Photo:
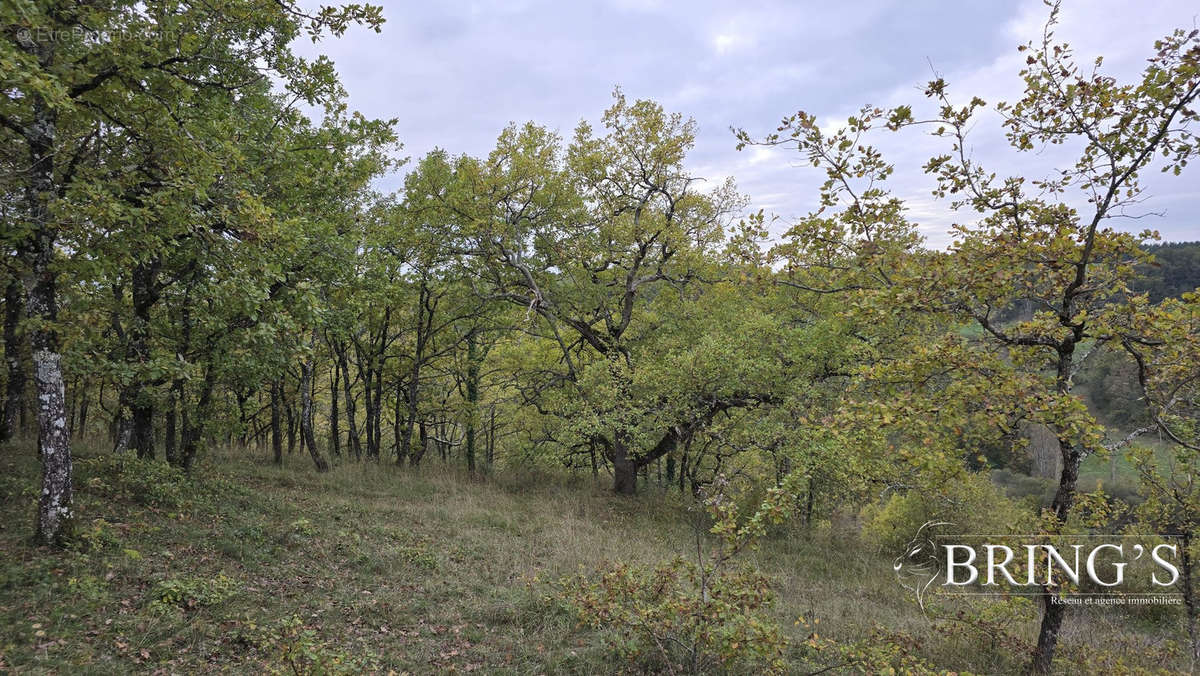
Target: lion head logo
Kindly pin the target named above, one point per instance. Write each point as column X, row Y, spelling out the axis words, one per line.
column 919, row 565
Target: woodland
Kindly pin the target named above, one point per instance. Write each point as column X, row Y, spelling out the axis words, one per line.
column 567, row 407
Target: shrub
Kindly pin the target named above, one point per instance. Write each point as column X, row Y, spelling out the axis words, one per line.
column 689, row 618
column 291, row 647
column 883, row 652
column 1039, row 492
column 146, row 482
column 692, row 617
column 97, row 536
column 193, row 592
column 972, row 504
column 992, row 632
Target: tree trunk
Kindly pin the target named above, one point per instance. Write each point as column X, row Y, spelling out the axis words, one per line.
column 422, row 445
column 276, row 424
column 143, row 431
column 169, row 434
column 306, row 415
column 377, row 424
column 683, row 467
column 1189, row 596
column 72, row 398
column 289, row 412
column 335, row 432
column 365, row 375
column 1052, row 617
column 397, row 424
column 193, row 426
column 175, row 452
column 241, row 397
column 624, row 477
column 124, row 422
column 1053, row 613
column 352, row 425
column 54, row 506
column 626, row 466
column 406, row 452
column 624, row 469
column 491, row 441
column 83, row 414
column 425, row 310
column 15, row 387
column 440, row 441
column 1064, row 499
column 145, row 294
column 135, row 425
column 472, row 398
column 37, row 251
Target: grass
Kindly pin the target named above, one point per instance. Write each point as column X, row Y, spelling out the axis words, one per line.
column 248, row 567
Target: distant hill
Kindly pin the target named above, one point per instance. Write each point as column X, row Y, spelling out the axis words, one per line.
column 1175, row 271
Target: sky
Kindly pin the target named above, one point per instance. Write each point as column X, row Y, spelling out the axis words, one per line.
column 454, row 74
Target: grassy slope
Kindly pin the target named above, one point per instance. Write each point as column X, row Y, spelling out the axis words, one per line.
column 378, row 569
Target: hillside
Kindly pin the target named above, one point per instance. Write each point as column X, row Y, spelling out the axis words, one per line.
column 252, row 568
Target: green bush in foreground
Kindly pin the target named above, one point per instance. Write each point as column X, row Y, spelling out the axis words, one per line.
column 691, row 617
column 193, row 592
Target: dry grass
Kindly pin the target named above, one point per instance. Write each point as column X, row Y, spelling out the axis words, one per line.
column 374, row 568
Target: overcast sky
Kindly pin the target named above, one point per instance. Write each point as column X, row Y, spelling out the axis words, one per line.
column 455, row 73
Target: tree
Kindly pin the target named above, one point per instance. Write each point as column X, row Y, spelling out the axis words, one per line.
column 1164, row 342
column 14, row 388
column 449, row 317
column 590, row 240
column 1024, row 248
column 79, row 68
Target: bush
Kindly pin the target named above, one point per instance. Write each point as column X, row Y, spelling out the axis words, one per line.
column 292, row 647
column 1037, row 491
column 97, row 536
column 695, row 617
column 193, row 592
column 882, row 652
column 682, row 616
column 125, row 477
column 970, row 505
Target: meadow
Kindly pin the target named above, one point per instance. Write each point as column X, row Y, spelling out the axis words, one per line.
column 253, row 568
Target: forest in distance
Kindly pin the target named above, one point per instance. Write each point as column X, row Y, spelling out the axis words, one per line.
column 567, row 406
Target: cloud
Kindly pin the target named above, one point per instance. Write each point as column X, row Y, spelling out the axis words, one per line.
column 724, row 42
column 455, row 73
